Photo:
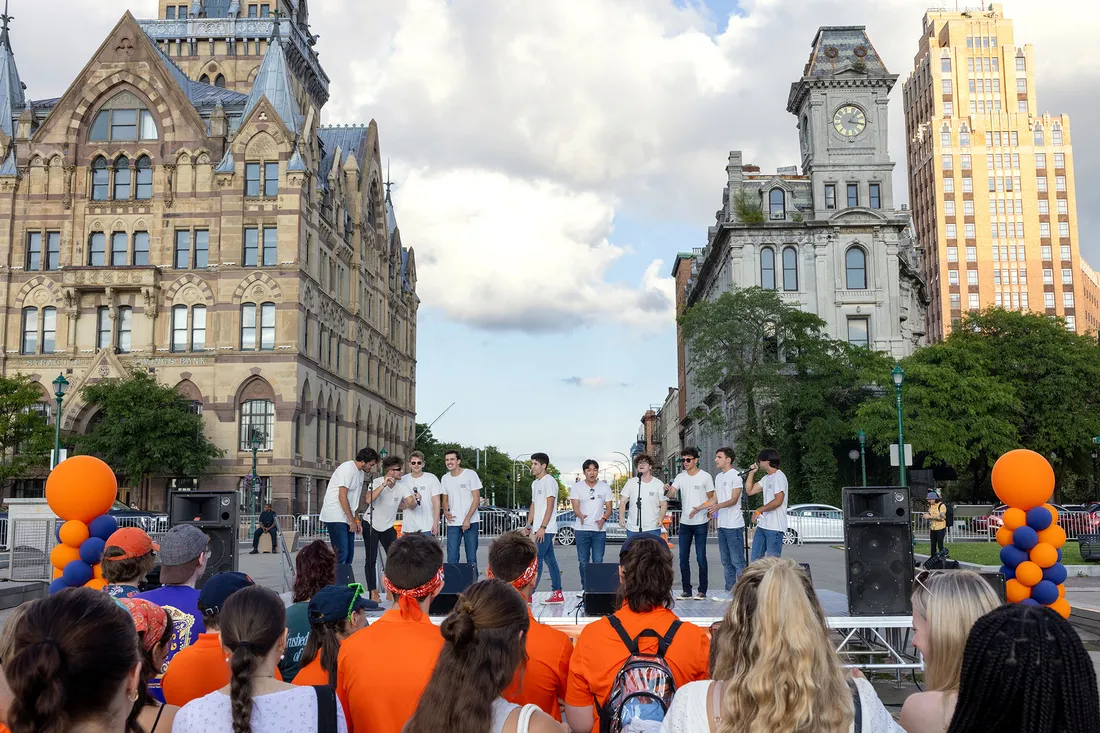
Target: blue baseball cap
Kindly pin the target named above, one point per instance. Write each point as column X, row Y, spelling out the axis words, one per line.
column 337, row 602
column 218, row 589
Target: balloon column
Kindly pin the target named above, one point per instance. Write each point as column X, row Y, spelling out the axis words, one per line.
column 80, row 490
column 1030, row 539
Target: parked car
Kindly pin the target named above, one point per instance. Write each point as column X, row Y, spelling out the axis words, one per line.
column 149, row 521
column 814, row 523
column 567, row 535
column 497, row 520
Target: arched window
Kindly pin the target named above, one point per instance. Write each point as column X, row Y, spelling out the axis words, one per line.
column 122, row 179
column 1056, row 133
column 855, row 267
column 123, row 119
column 259, row 416
column 144, row 189
column 101, row 180
column 1039, row 137
column 777, row 204
column 204, row 79
column 790, row 269
column 767, row 268
column 219, row 81
column 317, row 420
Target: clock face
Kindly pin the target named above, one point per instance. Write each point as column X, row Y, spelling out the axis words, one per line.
column 849, row 120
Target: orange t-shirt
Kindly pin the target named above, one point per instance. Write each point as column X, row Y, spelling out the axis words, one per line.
column 197, row 670
column 383, row 669
column 542, row 681
column 312, row 673
column 600, row 653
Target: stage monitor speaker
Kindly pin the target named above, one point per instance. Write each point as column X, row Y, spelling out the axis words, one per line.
column 457, row 577
column 872, row 504
column 997, row 583
column 216, row 513
column 601, row 580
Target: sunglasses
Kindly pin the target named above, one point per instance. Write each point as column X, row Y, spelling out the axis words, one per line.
column 923, row 577
column 357, row 590
column 591, row 493
column 416, row 463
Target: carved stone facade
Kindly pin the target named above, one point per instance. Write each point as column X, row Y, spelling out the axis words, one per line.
column 218, row 237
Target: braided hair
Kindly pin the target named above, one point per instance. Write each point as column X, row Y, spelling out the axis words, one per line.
column 252, row 622
column 1025, row 669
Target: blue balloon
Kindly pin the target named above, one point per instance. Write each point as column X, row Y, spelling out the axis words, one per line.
column 103, row 526
column 1059, row 554
column 1011, row 556
column 57, row 585
column 1008, row 572
column 1045, row 592
column 77, row 573
column 1039, row 518
column 1030, row 602
column 1056, row 573
column 91, row 550
column 1025, row 537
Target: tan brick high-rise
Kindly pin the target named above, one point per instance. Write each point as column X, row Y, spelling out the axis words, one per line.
column 180, row 209
column 990, row 174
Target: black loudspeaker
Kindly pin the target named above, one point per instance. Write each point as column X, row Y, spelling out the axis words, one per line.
column 997, row 583
column 216, row 513
column 878, row 551
column 457, row 577
column 601, row 581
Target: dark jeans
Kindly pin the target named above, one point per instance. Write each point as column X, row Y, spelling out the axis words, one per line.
column 342, row 538
column 372, row 537
column 458, row 538
column 696, row 533
column 590, row 548
column 550, row 560
column 731, row 545
column 937, row 536
column 274, row 538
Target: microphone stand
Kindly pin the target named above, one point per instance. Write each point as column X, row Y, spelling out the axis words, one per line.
column 371, row 570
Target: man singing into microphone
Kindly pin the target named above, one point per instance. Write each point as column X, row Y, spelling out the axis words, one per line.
column 388, row 494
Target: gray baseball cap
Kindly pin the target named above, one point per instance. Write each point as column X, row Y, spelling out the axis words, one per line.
column 182, row 544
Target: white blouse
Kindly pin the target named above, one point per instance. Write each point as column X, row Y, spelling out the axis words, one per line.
column 688, row 713
column 288, row 711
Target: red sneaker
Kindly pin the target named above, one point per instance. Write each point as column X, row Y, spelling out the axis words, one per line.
column 555, row 597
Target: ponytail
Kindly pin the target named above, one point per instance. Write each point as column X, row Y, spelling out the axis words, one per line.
column 324, row 638
column 36, row 676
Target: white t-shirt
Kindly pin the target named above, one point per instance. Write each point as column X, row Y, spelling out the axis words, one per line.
column 541, row 490
column 386, row 505
column 459, row 490
column 693, row 492
column 653, row 493
column 419, row 518
column 288, row 711
column 724, row 485
column 593, row 501
column 776, row 519
column 346, row 474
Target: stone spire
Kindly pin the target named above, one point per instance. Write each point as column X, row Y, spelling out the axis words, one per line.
column 12, row 99
column 273, row 80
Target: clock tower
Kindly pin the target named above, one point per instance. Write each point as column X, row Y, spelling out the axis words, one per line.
column 842, row 103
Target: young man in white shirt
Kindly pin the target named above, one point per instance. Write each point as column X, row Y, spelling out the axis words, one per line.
column 696, row 489
column 424, row 517
column 542, row 523
column 341, row 502
column 591, row 500
column 731, row 522
column 643, row 504
column 387, row 496
column 771, row 519
column 461, row 498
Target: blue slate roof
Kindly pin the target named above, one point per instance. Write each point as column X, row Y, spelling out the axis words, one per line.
column 273, row 81
column 227, row 164
column 201, row 95
column 350, row 140
column 12, row 99
column 9, row 168
column 836, row 48
column 296, row 163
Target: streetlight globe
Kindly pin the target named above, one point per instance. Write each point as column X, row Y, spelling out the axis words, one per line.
column 898, row 375
column 383, row 453
column 60, row 385
column 853, row 454
column 862, row 436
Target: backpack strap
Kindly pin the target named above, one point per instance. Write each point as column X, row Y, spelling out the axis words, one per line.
column 631, row 644
column 666, row 640
column 326, row 709
column 857, row 722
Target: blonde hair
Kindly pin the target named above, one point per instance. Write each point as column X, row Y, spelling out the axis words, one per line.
column 950, row 602
column 780, row 670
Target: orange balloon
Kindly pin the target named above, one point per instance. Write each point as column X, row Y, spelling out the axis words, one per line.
column 1014, row 518
column 62, row 555
column 96, row 584
column 57, row 573
column 97, row 570
column 81, row 487
column 73, row 533
column 1053, row 535
column 1062, row 590
column 1004, row 536
column 1028, row 573
column 1061, row 606
column 1044, row 555
column 1015, row 591
column 1023, row 479
column 1053, row 513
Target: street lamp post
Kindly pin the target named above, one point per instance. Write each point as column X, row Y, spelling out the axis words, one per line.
column 863, row 455
column 1095, row 455
column 898, row 375
column 59, row 386
column 255, row 441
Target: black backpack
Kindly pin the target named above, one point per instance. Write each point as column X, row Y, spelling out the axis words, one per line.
column 950, row 515
column 644, row 686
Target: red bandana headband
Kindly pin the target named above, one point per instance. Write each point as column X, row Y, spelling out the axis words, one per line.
column 525, row 577
column 408, row 599
column 148, row 617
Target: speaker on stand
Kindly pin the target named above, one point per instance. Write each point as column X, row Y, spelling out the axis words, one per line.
column 601, row 580
column 216, row 513
column 457, row 577
column 878, row 550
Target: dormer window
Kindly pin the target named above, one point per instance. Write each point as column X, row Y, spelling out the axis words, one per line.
column 123, row 119
column 777, row 206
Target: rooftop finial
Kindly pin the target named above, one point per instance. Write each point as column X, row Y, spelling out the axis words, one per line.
column 276, row 24
column 5, row 41
column 388, row 184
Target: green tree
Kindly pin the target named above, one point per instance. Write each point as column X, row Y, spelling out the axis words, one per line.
column 25, row 437
column 148, row 429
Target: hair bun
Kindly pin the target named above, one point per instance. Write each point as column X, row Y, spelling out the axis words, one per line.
column 459, row 628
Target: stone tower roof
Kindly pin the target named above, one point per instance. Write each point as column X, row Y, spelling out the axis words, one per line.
column 838, row 48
